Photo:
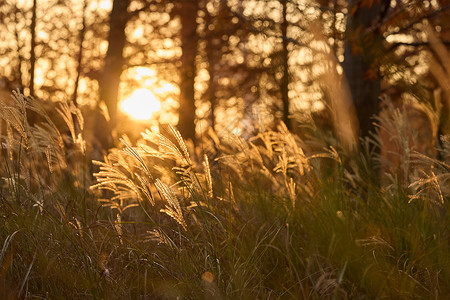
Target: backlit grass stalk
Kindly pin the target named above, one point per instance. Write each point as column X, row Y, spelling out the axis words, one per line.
column 273, row 216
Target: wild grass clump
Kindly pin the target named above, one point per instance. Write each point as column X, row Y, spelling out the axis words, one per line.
column 273, row 216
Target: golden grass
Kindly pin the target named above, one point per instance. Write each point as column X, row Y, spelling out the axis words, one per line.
column 273, row 216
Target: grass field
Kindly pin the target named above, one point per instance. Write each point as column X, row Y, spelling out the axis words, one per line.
column 272, row 217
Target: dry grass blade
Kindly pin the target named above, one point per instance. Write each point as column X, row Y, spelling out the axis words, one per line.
column 168, row 148
column 145, row 188
column 208, row 175
column 66, row 113
column 159, row 236
column 47, row 141
column 437, row 182
column 135, row 154
column 181, row 143
column 118, row 227
column 291, row 145
column 6, row 244
column 173, row 208
column 25, row 279
column 14, row 118
column 111, row 178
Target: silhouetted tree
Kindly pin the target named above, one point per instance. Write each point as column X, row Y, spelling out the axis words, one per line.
column 33, row 47
column 110, row 79
column 114, row 61
column 362, row 46
column 80, row 53
column 284, row 82
column 189, row 42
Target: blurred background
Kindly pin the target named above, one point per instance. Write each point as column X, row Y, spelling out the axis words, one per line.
column 237, row 66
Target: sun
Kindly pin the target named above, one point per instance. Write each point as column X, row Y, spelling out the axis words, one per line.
column 141, row 105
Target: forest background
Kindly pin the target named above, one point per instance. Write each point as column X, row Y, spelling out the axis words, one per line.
column 255, row 62
column 260, row 90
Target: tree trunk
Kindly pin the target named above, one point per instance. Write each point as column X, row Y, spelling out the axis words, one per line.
column 110, row 78
column 18, row 49
column 284, row 85
column 212, row 42
column 360, row 50
column 33, row 47
column 189, row 39
column 80, row 54
column 215, row 27
column 109, row 85
column 211, row 92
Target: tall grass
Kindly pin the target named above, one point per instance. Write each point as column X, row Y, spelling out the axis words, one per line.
column 274, row 216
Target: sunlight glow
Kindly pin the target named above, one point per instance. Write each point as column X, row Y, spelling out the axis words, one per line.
column 106, row 4
column 141, row 105
column 166, row 88
column 142, row 72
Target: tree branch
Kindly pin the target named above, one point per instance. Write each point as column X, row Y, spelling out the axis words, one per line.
column 129, row 65
column 414, row 44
